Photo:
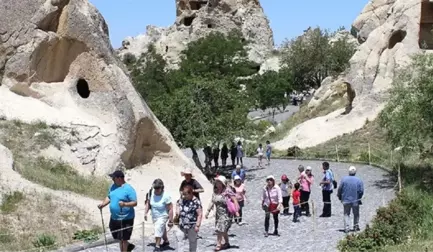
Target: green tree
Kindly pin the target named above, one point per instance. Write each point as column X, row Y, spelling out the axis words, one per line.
column 339, row 54
column 269, row 90
column 408, row 116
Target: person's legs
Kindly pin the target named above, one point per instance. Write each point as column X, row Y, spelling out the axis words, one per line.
column 355, row 209
column 233, row 161
column 192, row 238
column 296, row 213
column 267, row 216
column 275, row 215
column 125, row 235
column 241, row 206
column 226, row 240
column 237, row 160
column 219, row 239
column 306, row 204
column 303, row 200
column 160, row 232
column 326, row 196
column 347, row 209
column 181, row 236
column 224, row 161
column 241, row 161
column 286, row 205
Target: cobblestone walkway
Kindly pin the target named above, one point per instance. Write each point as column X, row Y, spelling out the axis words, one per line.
column 311, row 233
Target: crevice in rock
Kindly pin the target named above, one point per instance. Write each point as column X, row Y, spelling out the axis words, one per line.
column 395, row 38
column 145, row 142
column 51, row 59
column 51, row 21
column 187, row 21
column 351, row 94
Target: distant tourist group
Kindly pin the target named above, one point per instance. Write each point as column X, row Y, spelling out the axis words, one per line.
column 228, row 201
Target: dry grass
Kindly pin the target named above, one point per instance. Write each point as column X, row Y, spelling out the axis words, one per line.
column 37, row 221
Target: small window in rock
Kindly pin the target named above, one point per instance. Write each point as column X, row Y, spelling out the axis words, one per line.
column 426, row 25
column 187, row 21
column 396, row 37
column 210, row 26
column 166, row 48
column 83, row 88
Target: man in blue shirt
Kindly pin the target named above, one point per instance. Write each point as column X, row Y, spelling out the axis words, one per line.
column 350, row 193
column 240, row 172
column 327, row 188
column 122, row 199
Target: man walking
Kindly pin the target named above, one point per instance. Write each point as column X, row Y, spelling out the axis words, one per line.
column 350, row 193
column 122, row 199
column 327, row 188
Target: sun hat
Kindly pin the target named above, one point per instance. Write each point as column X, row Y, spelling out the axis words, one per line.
column 187, row 170
column 309, row 168
column 237, row 177
column 352, row 170
column 221, row 178
column 270, row 177
column 238, row 166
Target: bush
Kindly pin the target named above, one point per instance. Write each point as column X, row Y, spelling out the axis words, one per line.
column 263, row 125
column 45, row 242
column 87, row 235
column 294, row 151
column 344, row 152
column 10, row 202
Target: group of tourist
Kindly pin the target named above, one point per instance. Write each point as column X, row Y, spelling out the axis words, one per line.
column 236, row 154
column 228, row 201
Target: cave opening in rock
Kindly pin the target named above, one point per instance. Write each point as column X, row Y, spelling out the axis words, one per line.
column 351, row 94
column 210, row 26
column 395, row 38
column 426, row 25
column 187, row 21
column 83, row 88
column 197, row 4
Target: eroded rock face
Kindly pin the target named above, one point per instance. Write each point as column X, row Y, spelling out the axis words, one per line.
column 393, row 33
column 57, row 66
column 196, row 19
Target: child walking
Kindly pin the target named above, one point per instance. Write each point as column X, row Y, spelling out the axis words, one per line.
column 260, row 155
column 296, row 196
column 286, row 187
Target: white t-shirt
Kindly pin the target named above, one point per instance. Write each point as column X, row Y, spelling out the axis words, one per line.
column 260, row 151
column 284, row 189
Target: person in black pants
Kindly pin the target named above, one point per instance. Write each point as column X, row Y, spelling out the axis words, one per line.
column 233, row 152
column 224, row 155
column 326, row 190
column 272, row 203
column 306, row 180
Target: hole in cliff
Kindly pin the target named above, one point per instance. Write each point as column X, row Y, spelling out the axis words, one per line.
column 197, row 5
column 83, row 88
column 182, row 5
column 396, row 37
column 210, row 26
column 145, row 142
column 52, row 59
column 51, row 21
column 166, row 48
column 426, row 26
column 187, row 21
column 350, row 97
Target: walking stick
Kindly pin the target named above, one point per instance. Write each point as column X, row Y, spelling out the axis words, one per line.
column 103, row 229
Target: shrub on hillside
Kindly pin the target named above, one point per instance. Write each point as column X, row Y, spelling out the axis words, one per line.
column 294, row 151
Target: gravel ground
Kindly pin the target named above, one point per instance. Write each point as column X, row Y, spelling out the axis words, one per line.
column 311, row 233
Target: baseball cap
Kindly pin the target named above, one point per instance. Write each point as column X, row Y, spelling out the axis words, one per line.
column 187, row 170
column 117, row 174
column 237, row 177
column 352, row 170
column 309, row 168
column 238, row 166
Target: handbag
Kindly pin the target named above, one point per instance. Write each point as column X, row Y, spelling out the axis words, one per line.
column 231, row 206
column 272, row 206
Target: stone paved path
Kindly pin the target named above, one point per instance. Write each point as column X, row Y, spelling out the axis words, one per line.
column 311, row 233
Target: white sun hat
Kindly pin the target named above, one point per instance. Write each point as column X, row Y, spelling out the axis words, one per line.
column 222, row 179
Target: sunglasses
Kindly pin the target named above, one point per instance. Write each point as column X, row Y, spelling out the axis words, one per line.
column 157, row 188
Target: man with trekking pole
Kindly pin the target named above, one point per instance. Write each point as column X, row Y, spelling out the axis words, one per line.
column 122, row 199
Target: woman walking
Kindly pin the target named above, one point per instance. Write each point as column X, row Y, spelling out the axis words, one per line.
column 224, row 155
column 240, row 192
column 189, row 211
column 271, row 201
column 239, row 153
column 221, row 197
column 233, row 153
column 306, row 179
column 162, row 211
column 260, row 154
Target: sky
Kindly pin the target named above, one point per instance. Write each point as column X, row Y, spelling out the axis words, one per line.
column 288, row 18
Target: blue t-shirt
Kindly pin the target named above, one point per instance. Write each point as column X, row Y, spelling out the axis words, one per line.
column 123, row 193
column 240, row 174
column 159, row 204
column 328, row 176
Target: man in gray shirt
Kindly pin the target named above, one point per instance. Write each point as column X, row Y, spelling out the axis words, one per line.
column 350, row 193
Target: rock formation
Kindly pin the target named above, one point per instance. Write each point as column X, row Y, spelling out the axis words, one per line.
column 57, row 66
column 390, row 32
column 197, row 18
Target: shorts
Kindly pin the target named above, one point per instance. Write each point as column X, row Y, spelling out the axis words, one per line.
column 121, row 229
column 159, row 225
column 268, row 155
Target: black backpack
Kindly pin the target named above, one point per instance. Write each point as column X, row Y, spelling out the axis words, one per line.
column 334, row 183
column 148, row 196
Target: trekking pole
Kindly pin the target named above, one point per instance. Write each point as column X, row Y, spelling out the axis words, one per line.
column 103, row 229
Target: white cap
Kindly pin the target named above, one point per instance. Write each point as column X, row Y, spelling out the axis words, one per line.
column 309, row 168
column 352, row 170
column 238, row 166
column 270, row 177
column 237, row 177
column 221, row 178
column 187, row 170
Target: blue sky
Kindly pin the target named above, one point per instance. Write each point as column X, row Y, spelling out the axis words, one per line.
column 288, row 17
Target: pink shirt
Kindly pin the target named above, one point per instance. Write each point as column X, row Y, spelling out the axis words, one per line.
column 306, row 183
column 275, row 194
column 240, row 192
